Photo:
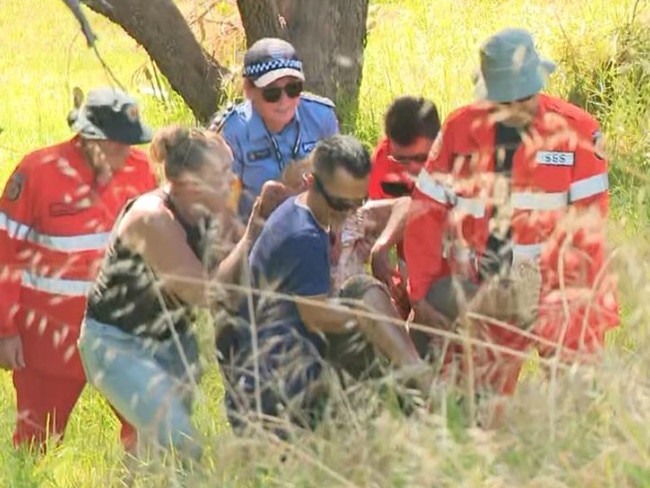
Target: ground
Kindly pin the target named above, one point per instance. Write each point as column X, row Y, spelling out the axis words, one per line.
column 587, row 428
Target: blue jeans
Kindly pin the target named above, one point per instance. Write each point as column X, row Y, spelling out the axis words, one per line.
column 146, row 380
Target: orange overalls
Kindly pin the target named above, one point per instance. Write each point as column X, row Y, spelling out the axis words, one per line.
column 54, row 224
column 557, row 193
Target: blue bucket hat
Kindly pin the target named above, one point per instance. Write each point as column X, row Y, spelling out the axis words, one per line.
column 511, row 68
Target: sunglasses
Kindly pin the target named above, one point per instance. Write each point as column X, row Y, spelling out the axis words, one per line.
column 415, row 158
column 273, row 94
column 337, row 204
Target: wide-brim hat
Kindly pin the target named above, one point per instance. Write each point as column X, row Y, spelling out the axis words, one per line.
column 511, row 68
column 110, row 114
column 270, row 59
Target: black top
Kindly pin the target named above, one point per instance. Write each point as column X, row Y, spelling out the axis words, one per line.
column 127, row 294
column 497, row 258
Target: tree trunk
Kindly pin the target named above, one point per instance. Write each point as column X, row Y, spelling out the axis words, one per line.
column 330, row 36
column 160, row 28
column 260, row 18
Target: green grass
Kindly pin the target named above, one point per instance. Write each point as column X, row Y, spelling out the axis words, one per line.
column 588, row 429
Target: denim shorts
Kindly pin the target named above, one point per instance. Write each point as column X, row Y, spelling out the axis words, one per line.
column 149, row 382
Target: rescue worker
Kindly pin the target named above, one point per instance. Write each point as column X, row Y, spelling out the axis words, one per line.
column 56, row 213
column 410, row 126
column 278, row 123
column 512, row 202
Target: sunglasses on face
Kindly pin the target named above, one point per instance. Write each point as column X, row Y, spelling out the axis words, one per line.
column 337, row 204
column 415, row 158
column 272, row 94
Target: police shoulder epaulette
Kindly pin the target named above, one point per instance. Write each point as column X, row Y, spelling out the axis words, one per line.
column 219, row 119
column 318, row 99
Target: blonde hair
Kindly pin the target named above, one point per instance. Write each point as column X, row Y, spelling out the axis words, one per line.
column 180, row 149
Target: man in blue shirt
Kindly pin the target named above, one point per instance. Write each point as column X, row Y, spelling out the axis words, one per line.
column 278, row 123
column 274, row 364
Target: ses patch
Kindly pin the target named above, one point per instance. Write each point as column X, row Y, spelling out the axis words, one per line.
column 14, row 187
column 555, row 158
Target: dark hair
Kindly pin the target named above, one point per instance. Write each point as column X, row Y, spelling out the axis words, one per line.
column 181, row 149
column 340, row 151
column 408, row 118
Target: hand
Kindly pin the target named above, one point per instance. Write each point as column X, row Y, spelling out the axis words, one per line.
column 382, row 269
column 272, row 195
column 11, row 353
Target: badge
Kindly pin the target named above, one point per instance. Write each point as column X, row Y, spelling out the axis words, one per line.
column 599, row 145
column 258, row 154
column 555, row 158
column 132, row 113
column 307, row 147
column 14, row 187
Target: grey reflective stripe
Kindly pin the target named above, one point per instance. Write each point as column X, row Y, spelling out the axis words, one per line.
column 14, row 229
column 431, row 188
column 539, row 201
column 529, row 251
column 56, row 286
column 472, row 206
column 589, row 187
column 84, row 242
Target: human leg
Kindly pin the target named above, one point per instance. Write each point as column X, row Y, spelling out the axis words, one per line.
column 125, row 369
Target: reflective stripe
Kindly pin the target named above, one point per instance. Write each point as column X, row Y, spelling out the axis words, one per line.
column 464, row 254
column 84, row 242
column 56, row 286
column 473, row 206
column 539, row 201
column 528, row 251
column 589, row 187
column 431, row 188
column 15, row 229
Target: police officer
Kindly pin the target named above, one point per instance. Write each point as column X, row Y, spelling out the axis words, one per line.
column 277, row 123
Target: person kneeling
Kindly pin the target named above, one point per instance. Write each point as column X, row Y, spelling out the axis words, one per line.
column 275, row 356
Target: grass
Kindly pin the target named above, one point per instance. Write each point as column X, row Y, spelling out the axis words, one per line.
column 589, row 429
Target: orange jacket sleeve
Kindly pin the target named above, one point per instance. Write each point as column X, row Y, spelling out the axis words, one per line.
column 16, row 218
column 427, row 220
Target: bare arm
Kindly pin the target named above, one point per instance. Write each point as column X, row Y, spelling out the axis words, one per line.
column 150, row 229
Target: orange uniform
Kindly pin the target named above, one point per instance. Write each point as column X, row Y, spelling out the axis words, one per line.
column 54, row 223
column 557, row 199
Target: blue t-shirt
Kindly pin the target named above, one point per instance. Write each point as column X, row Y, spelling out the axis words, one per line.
column 291, row 256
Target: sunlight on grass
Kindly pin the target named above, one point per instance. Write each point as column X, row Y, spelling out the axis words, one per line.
column 589, row 429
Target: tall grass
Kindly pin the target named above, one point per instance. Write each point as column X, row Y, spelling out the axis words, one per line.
column 590, row 429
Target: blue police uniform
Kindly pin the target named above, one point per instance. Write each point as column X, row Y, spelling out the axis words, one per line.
column 259, row 155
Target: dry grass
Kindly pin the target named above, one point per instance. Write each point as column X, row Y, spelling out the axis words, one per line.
column 589, row 428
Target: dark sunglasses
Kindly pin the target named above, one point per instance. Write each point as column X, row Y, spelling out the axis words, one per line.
column 273, row 94
column 337, row 204
column 416, row 158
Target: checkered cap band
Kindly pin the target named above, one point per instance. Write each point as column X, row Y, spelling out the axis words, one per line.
column 256, row 70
